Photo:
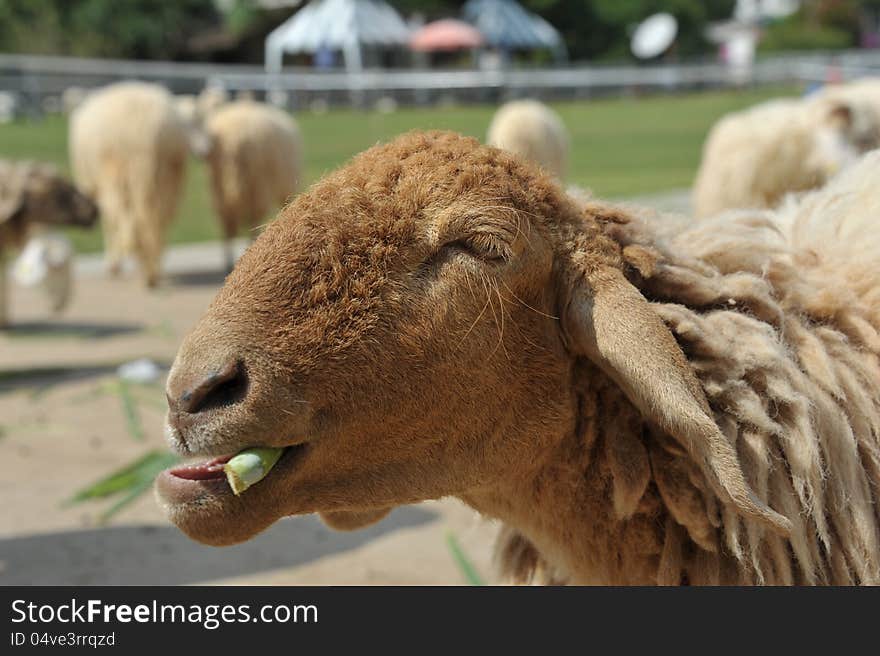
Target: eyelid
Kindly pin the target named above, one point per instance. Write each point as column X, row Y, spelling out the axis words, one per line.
column 489, row 250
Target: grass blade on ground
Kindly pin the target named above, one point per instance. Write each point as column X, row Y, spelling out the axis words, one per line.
column 133, row 493
column 129, row 409
column 464, row 564
column 131, row 477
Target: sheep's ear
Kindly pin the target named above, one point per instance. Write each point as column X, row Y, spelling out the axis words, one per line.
column 606, row 319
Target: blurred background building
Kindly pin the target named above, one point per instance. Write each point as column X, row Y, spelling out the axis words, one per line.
column 299, row 52
column 234, row 30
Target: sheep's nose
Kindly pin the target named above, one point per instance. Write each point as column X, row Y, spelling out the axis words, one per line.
column 196, row 393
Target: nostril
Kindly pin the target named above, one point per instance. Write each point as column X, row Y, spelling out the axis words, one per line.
column 224, row 387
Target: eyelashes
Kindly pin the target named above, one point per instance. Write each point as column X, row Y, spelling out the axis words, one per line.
column 481, row 247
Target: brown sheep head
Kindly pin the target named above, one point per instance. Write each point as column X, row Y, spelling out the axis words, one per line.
column 36, row 194
column 410, row 327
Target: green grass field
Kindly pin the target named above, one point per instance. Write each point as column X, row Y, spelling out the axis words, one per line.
column 621, row 147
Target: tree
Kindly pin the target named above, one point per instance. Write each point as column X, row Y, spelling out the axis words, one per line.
column 602, row 28
column 30, row 26
column 819, row 24
column 142, row 29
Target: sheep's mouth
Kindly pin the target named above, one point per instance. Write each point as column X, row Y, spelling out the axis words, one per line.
column 201, row 471
column 199, row 480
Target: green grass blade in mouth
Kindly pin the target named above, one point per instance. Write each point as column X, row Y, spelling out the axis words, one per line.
column 250, row 466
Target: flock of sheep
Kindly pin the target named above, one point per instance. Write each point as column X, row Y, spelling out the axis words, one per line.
column 668, row 400
column 751, row 158
column 129, row 146
column 130, row 142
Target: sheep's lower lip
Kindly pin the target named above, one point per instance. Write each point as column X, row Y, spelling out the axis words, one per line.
column 201, row 471
column 191, row 482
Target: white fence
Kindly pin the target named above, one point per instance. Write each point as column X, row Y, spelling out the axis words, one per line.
column 36, row 80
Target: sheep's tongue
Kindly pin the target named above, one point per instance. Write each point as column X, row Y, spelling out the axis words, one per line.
column 202, row 471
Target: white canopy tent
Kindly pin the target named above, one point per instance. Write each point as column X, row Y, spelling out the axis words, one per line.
column 338, row 25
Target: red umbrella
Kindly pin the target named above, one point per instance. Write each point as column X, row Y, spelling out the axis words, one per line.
column 447, row 34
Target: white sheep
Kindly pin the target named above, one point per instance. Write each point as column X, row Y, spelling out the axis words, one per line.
column 255, row 160
column 753, row 158
column 128, row 150
column 532, row 130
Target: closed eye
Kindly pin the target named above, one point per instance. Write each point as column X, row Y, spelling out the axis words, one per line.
column 481, row 247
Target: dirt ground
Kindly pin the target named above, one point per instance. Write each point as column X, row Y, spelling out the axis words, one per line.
column 63, row 426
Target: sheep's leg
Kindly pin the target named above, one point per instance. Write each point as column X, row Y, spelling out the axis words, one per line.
column 58, row 286
column 113, row 254
column 114, row 265
column 150, row 272
column 149, row 253
column 3, row 295
column 116, row 224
